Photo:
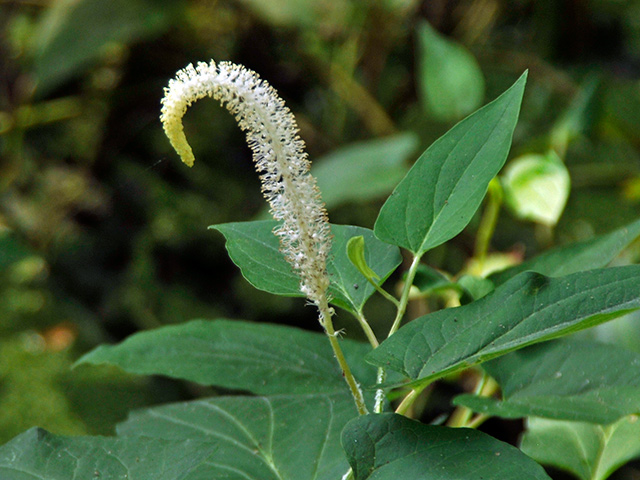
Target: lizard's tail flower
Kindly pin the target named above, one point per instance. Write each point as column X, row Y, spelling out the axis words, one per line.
column 278, row 151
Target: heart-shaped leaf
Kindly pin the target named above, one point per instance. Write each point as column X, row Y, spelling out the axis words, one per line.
column 445, row 187
column 527, row 309
column 257, row 438
column 565, row 380
column 255, row 249
column 261, row 358
column 591, row 452
column 390, row 447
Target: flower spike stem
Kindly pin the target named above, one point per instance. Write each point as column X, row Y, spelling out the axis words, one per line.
column 326, row 313
column 278, row 152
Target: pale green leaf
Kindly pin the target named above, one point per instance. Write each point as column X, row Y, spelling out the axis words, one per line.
column 450, row 82
column 591, row 452
column 363, row 171
column 536, row 187
column 355, row 252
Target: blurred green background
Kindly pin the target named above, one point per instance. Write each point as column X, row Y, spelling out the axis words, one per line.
column 103, row 230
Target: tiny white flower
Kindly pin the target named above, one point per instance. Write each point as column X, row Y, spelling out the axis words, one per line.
column 278, row 151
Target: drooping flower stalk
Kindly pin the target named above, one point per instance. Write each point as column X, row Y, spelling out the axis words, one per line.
column 278, row 152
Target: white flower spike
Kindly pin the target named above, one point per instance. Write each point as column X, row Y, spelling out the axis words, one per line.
column 278, row 151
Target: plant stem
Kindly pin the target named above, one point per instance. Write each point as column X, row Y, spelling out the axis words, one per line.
column 366, row 328
column 404, row 299
column 379, row 404
column 348, row 475
column 489, row 220
column 382, row 375
column 408, row 401
column 326, row 314
column 384, row 293
column 477, row 421
column 461, row 416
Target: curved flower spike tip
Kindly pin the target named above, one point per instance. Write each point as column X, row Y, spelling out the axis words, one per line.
column 278, row 151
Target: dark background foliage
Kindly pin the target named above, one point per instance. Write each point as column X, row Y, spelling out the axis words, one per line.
column 103, row 230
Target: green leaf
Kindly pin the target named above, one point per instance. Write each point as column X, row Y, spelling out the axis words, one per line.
column 255, row 249
column 260, row 358
column 474, row 288
column 445, row 187
column 536, row 187
column 363, row 171
column 40, row 455
column 355, row 252
column 529, row 308
column 576, row 257
column 430, row 281
column 258, row 438
column 579, row 115
column 391, row 447
column 330, row 16
column 73, row 33
column 450, row 81
column 566, row 380
column 591, row 452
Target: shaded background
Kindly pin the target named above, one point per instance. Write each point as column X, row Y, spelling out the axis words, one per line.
column 103, row 230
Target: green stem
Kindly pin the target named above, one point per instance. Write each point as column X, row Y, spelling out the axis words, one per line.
column 461, row 415
column 348, row 475
column 366, row 328
column 383, row 292
column 404, row 299
column 407, row 401
column 326, row 314
column 477, row 421
column 379, row 404
column 489, row 220
column 382, row 375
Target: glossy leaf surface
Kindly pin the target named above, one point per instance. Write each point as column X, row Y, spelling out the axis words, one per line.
column 567, row 380
column 591, row 452
column 255, row 249
column 390, row 447
column 445, row 187
column 529, row 308
column 260, row 358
